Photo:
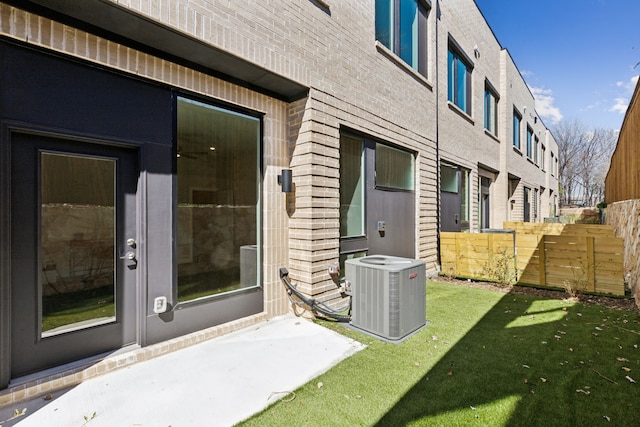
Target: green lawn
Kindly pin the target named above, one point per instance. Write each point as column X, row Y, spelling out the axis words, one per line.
column 486, row 359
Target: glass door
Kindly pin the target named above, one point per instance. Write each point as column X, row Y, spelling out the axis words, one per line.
column 74, row 252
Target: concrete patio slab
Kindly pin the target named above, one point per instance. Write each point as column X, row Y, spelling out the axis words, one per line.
column 216, row 383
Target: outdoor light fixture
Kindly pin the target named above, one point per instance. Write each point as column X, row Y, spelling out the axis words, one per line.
column 285, row 180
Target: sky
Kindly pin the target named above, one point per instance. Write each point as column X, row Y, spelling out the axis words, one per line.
column 580, row 58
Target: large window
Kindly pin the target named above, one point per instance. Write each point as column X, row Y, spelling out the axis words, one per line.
column 536, row 141
column 490, row 109
column 401, row 26
column 459, row 80
column 351, row 187
column 218, row 214
column 517, row 119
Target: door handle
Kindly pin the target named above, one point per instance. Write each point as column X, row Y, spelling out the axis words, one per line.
column 455, row 218
column 129, row 255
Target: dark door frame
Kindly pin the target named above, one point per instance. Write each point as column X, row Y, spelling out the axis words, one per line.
column 397, row 236
column 29, row 351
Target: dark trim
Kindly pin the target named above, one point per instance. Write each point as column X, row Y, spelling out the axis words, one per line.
column 121, row 25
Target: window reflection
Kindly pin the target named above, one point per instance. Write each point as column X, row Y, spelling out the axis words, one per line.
column 77, row 229
column 218, row 173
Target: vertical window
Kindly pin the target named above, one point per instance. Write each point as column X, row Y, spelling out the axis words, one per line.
column 543, row 154
column 517, row 119
column 218, row 186
column 351, row 187
column 527, row 204
column 535, row 149
column 78, row 231
column 490, row 109
column 401, row 26
column 459, row 80
column 464, row 195
column 529, row 141
column 552, row 164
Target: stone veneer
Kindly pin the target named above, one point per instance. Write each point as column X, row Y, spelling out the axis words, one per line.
column 625, row 218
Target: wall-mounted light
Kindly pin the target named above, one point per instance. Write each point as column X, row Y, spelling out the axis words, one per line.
column 285, row 180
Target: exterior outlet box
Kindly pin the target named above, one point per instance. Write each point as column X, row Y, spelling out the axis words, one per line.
column 388, row 295
column 160, row 305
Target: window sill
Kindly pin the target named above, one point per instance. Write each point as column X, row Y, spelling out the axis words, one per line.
column 517, row 150
column 530, row 160
column 322, row 3
column 492, row 136
column 398, row 61
column 461, row 113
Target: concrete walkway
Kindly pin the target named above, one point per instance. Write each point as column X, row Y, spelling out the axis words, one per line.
column 216, row 383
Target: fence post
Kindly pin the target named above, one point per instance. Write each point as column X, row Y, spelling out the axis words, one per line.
column 591, row 265
column 458, row 255
column 542, row 263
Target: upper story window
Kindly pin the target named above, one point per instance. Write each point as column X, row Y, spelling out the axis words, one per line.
column 535, row 149
column 517, row 119
column 490, row 109
column 552, row 162
column 529, row 141
column 401, row 26
column 459, row 79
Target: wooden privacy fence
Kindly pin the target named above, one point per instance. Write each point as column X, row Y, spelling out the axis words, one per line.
column 486, row 256
column 577, row 256
column 560, row 229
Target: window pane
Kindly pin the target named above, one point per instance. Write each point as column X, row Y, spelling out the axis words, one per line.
column 461, row 85
column 394, row 168
column 448, row 178
column 384, row 20
column 408, row 32
column 77, row 228
column 450, row 77
column 464, row 195
column 218, row 205
column 490, row 107
column 516, row 130
column 351, row 187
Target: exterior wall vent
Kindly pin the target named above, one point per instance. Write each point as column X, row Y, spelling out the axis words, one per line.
column 389, row 295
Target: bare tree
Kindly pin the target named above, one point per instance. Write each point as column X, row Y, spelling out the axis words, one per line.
column 584, row 156
column 567, row 134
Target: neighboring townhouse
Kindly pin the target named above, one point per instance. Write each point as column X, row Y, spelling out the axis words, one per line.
column 162, row 160
column 497, row 159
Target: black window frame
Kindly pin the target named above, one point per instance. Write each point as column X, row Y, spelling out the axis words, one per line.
column 423, row 9
column 453, row 90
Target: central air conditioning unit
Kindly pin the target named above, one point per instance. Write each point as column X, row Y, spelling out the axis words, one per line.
column 388, row 295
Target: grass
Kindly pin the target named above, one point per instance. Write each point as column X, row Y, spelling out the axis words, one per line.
column 487, row 359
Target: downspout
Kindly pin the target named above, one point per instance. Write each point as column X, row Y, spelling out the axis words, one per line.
column 437, row 85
